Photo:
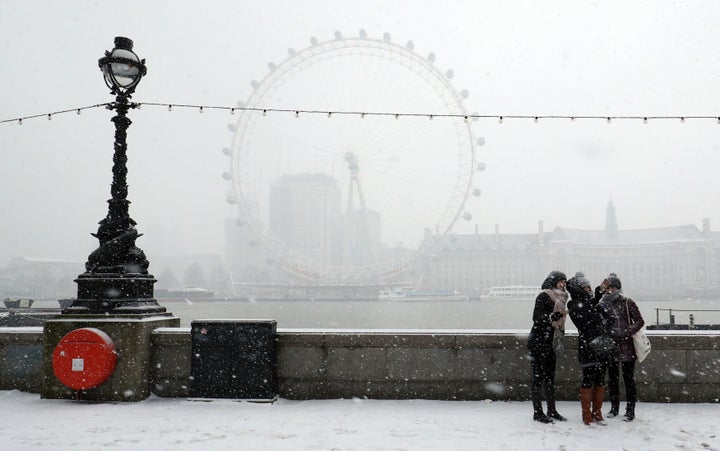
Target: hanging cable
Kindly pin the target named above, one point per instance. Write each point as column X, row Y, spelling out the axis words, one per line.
column 49, row 115
column 501, row 118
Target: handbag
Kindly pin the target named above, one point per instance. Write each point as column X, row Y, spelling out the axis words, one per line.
column 604, row 348
column 640, row 339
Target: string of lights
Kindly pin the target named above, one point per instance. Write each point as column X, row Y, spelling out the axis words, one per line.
column 50, row 115
column 362, row 114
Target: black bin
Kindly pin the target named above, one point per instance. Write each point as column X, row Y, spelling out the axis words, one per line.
column 233, row 359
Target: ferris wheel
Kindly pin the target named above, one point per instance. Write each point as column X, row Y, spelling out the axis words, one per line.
column 348, row 196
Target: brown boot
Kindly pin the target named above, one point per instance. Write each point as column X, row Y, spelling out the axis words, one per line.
column 597, row 400
column 586, row 395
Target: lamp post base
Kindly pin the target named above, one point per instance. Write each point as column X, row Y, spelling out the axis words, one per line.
column 132, row 379
column 115, row 294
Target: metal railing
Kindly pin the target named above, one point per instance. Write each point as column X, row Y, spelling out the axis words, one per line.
column 671, row 315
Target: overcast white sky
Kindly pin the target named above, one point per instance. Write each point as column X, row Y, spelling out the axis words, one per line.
column 514, row 57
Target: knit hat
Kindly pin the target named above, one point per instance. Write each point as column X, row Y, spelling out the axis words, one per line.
column 581, row 280
column 614, row 281
column 553, row 278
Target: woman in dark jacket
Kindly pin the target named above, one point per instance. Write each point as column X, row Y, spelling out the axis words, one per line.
column 591, row 321
column 548, row 315
column 626, row 322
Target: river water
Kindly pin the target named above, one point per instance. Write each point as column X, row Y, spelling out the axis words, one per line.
column 411, row 314
column 319, row 314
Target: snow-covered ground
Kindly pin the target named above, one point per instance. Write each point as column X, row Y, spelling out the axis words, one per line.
column 28, row 422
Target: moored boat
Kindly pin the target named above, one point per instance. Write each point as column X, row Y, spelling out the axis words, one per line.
column 409, row 294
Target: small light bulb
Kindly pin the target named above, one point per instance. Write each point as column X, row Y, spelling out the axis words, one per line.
column 169, row 107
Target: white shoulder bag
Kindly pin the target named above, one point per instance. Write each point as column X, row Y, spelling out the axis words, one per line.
column 640, row 339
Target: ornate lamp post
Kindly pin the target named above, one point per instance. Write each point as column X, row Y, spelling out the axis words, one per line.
column 116, row 280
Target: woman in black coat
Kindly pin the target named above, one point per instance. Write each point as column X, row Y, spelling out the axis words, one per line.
column 626, row 321
column 548, row 315
column 592, row 321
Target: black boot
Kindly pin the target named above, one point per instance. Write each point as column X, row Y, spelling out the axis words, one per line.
column 630, row 411
column 555, row 415
column 541, row 417
column 538, row 414
column 551, row 410
column 614, row 409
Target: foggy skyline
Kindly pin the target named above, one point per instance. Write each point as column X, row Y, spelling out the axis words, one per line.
column 526, row 58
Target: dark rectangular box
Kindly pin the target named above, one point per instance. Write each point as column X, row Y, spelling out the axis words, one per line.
column 234, row 359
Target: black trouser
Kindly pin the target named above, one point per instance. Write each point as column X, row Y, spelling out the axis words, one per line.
column 628, row 372
column 543, row 368
column 593, row 376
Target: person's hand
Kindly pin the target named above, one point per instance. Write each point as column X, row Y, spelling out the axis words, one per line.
column 555, row 316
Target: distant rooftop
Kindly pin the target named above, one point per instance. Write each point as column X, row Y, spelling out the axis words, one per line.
column 658, row 235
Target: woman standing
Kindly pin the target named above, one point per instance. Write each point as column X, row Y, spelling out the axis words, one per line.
column 548, row 316
column 592, row 322
column 626, row 321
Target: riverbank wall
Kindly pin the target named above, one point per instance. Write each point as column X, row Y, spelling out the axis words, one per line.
column 684, row 366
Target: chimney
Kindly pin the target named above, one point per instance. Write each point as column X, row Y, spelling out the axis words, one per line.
column 706, row 228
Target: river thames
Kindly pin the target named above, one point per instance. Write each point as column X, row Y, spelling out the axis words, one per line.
column 320, row 314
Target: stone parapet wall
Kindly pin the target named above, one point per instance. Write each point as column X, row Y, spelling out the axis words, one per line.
column 475, row 365
column 21, row 353
column 684, row 366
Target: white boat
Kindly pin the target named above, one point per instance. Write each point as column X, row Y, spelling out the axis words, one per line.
column 409, row 294
column 511, row 293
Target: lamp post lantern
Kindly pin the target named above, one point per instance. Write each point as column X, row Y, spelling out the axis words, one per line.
column 116, row 280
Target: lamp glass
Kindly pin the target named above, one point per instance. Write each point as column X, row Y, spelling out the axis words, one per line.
column 122, row 68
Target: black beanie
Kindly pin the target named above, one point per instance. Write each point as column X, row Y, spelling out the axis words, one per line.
column 582, row 281
column 553, row 278
column 614, row 281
